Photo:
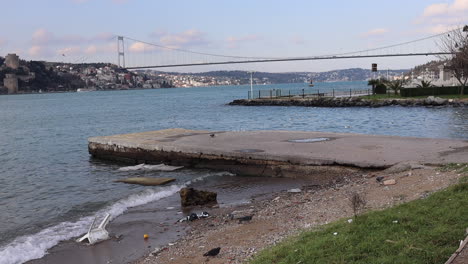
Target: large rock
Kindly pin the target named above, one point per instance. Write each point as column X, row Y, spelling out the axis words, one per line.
column 190, row 197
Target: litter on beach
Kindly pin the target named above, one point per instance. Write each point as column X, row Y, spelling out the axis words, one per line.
column 194, row 216
column 96, row 233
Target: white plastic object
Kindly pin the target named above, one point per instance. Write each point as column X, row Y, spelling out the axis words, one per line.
column 96, row 233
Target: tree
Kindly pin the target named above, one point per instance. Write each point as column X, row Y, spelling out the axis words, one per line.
column 395, row 85
column 456, row 43
column 373, row 82
column 377, row 84
column 425, row 84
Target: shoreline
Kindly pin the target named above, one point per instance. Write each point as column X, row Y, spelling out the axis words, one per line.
column 351, row 102
column 287, row 214
column 159, row 219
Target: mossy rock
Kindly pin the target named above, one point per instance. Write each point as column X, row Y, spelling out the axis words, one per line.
column 192, row 197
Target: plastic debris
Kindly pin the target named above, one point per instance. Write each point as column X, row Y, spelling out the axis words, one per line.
column 96, row 233
column 145, row 236
column 213, row 252
column 336, row 233
column 244, row 219
column 379, row 178
column 390, row 182
column 350, row 221
column 194, row 216
column 296, row 190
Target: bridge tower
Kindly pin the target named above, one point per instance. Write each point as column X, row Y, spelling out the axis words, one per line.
column 120, row 52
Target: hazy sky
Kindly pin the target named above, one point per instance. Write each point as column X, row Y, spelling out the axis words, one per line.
column 85, row 30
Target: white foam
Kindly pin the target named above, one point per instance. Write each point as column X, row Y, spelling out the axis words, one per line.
column 35, row 246
column 159, row 167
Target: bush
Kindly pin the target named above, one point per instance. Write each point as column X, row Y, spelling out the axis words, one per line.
column 381, row 88
column 450, row 90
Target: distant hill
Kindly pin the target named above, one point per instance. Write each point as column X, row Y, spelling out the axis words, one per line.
column 353, row 74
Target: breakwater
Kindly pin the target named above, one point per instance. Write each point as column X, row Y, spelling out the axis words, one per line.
column 350, row 102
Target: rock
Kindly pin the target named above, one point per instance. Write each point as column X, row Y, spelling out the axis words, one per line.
column 404, row 166
column 389, row 182
column 147, row 181
column 296, row 190
column 439, row 101
column 190, row 197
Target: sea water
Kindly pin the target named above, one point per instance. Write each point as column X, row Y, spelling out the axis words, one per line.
column 50, row 189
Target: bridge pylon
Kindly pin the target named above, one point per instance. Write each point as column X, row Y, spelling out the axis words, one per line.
column 120, row 52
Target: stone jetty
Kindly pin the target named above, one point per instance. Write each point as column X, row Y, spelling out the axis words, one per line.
column 319, row 155
column 430, row 101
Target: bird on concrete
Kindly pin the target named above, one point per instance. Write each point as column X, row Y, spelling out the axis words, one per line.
column 245, row 218
column 213, row 252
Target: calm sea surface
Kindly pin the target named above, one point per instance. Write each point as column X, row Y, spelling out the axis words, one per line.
column 50, row 190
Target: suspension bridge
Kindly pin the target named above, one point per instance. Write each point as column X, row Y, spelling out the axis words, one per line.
column 136, row 54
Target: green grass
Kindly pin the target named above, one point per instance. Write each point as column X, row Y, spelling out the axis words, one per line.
column 428, row 231
column 457, row 167
column 392, row 96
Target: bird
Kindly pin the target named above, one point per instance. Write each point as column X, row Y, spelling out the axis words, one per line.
column 212, row 135
column 245, row 218
column 379, row 179
column 213, row 252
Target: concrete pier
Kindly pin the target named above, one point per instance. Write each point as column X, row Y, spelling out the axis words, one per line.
column 275, row 153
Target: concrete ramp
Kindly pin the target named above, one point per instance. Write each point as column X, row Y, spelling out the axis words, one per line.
column 274, row 153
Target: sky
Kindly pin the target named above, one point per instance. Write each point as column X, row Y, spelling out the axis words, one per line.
column 86, row 30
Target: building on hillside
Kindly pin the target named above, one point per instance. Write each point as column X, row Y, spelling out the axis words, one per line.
column 11, row 83
column 12, row 61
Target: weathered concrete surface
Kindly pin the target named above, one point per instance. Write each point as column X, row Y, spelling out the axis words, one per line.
column 271, row 152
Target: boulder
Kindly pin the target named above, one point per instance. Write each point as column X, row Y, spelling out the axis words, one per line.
column 405, row 166
column 439, row 101
column 147, row 181
column 191, row 197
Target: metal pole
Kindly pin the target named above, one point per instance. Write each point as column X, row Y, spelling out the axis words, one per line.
column 251, row 82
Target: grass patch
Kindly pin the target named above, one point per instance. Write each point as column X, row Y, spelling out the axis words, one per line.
column 457, row 167
column 427, row 231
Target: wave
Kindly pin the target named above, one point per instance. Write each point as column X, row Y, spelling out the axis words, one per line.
column 159, row 167
column 35, row 246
